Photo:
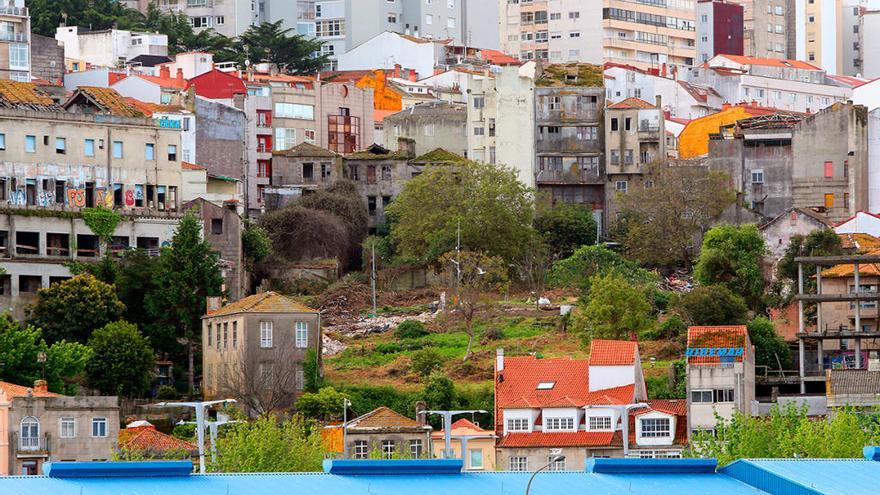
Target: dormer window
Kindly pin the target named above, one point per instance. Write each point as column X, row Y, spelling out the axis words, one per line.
column 546, row 385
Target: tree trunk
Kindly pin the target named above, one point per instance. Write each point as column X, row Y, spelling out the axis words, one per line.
column 470, row 332
column 190, row 356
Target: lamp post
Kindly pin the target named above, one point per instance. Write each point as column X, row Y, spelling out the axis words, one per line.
column 201, row 408
column 345, row 405
column 447, row 428
column 557, row 458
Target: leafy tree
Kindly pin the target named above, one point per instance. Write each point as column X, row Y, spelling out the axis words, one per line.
column 769, row 345
column 20, row 347
column 661, row 221
column 269, row 446
column 614, row 308
column 787, row 432
column 672, row 328
column 312, row 371
column 323, row 405
column 439, row 392
column 426, row 361
column 256, row 244
column 188, row 273
column 299, row 233
column 269, row 42
column 182, row 37
column 731, row 256
column 823, row 242
column 122, row 360
column 493, row 208
column 578, row 270
column 342, row 200
column 566, row 227
column 138, row 276
column 712, row 305
column 472, row 274
column 46, row 15
column 73, row 308
column 410, row 329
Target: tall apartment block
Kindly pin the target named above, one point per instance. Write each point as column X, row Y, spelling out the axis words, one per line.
column 719, row 29
column 15, row 28
column 769, row 30
column 828, row 34
column 645, row 33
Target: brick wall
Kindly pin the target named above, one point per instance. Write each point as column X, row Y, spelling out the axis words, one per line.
column 45, row 50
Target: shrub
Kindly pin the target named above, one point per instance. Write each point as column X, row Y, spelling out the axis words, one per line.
column 425, row 361
column 388, row 348
column 166, row 392
column 494, row 333
column 410, row 329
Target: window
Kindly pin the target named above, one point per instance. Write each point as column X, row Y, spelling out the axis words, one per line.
column 517, row 463
column 200, row 21
column 217, row 340
column 67, row 427
column 30, row 144
column 518, row 424
column 219, row 20
column 99, row 427
column 479, row 101
column 701, row 396
column 210, row 328
column 309, row 135
column 558, row 424
column 655, row 427
column 30, row 433
column 555, row 16
column 621, row 186
column 216, row 226
column 558, row 465
column 149, row 151
column 388, row 449
column 392, row 18
column 599, row 422
column 18, row 57
column 546, row 385
column 265, row 334
column 416, row 449
column 117, row 149
column 429, row 19
column 361, row 450
column 757, row 176
column 450, row 22
column 475, row 457
column 284, row 139
column 479, row 131
column 450, row 4
column 724, row 395
column 574, row 34
column 302, row 334
column 172, row 152
column 829, row 169
column 2, row 141
column 234, row 334
column 294, row 111
column 829, row 200
column 61, row 146
column 225, row 335
column 574, row 15
column 615, row 124
column 325, row 29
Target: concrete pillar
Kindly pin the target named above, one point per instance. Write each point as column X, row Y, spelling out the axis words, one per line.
column 819, row 355
column 858, row 353
column 819, row 328
column 14, row 289
column 858, row 317
column 801, row 329
column 801, row 362
column 44, row 281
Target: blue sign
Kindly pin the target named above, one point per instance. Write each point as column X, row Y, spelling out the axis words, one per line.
column 714, row 351
column 169, row 123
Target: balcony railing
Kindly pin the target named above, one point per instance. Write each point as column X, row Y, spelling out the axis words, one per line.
column 575, row 176
column 30, row 445
column 15, row 37
column 16, row 11
column 570, row 145
column 560, row 115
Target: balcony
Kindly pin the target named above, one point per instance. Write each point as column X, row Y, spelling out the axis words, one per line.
column 576, row 175
column 14, row 37
column 649, row 132
column 568, row 145
column 553, row 115
column 31, row 446
column 14, row 11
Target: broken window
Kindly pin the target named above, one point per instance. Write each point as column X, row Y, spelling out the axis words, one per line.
column 57, row 244
column 27, row 243
column 217, row 226
column 308, row 172
column 87, row 246
column 29, row 284
column 371, row 205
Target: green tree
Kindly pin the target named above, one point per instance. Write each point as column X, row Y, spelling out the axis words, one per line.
column 769, row 345
column 731, row 256
column 661, row 221
column 20, row 347
column 492, row 206
column 187, row 275
column 787, row 432
column 122, row 360
column 269, row 42
column 614, row 308
column 472, row 275
column 712, row 305
column 342, row 200
column 439, row 392
column 46, row 15
column 410, row 329
column 576, row 271
column 138, row 274
column 299, row 233
column 426, row 361
column 822, row 242
column 566, row 227
column 268, row 446
column 312, row 371
column 255, row 242
column 323, row 405
column 71, row 309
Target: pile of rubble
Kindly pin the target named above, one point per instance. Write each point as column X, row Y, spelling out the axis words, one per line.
column 331, row 347
column 678, row 281
column 379, row 324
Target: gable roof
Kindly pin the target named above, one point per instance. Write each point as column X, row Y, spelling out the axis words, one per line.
column 265, row 302
column 856, row 382
column 164, row 82
column 147, row 438
column 859, row 242
column 518, row 381
column 558, row 439
column 718, row 336
column 613, row 352
column 11, row 390
column 439, row 155
column 106, row 99
column 464, row 427
column 770, row 62
column 306, row 150
column 812, row 214
column 497, row 57
column 384, row 418
column 632, row 103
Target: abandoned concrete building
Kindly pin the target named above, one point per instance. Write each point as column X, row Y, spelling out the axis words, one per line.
column 786, row 160
column 431, row 125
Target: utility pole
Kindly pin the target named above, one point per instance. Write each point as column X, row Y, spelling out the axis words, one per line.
column 201, row 408
column 345, row 405
column 447, row 428
column 458, row 263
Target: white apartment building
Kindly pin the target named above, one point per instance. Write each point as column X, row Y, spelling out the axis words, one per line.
column 680, row 98
column 720, row 374
column 644, row 33
column 869, row 43
column 15, row 41
column 109, row 47
column 388, row 49
column 829, row 31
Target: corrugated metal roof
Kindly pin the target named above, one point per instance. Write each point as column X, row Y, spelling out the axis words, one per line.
column 807, row 476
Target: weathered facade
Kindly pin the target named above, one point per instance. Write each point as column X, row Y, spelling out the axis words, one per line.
column 47, row 58
column 380, row 175
column 222, row 229
column 777, row 233
column 254, row 350
column 301, row 168
column 37, row 426
column 431, row 125
column 382, row 433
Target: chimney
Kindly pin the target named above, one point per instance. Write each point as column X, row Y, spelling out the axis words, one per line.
column 212, row 304
column 40, row 386
column 421, row 412
column 180, row 74
column 165, row 72
column 725, row 105
column 499, row 359
column 413, row 77
column 397, row 71
column 659, row 101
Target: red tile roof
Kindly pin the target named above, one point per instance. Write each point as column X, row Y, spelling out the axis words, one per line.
column 632, row 103
column 522, row 375
column 147, row 438
column 165, row 82
column 498, row 57
column 191, row 166
column 613, row 352
column 558, row 439
column 385, row 418
column 676, row 407
column 12, row 390
column 721, row 336
column 463, row 427
column 770, row 62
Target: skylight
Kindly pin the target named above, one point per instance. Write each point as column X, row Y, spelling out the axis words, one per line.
column 546, row 385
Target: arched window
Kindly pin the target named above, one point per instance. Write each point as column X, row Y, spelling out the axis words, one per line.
column 30, row 433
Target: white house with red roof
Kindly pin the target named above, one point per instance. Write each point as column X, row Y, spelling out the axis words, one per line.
column 547, row 407
column 860, row 223
column 720, row 374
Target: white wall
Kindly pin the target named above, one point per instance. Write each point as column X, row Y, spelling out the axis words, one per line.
column 561, row 412
column 862, row 223
column 868, row 94
column 187, row 133
column 594, row 412
column 515, row 129
column 874, row 160
column 529, row 414
column 98, row 78
column 651, row 441
column 602, row 377
column 870, row 44
column 192, row 63
column 140, row 89
column 386, row 50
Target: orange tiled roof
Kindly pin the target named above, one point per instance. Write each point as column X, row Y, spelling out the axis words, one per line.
column 12, row 390
column 191, row 166
column 720, row 336
column 613, row 352
column 22, row 93
column 463, row 427
column 860, row 242
column 844, row 271
column 147, row 438
column 497, row 57
column 266, row 302
column 384, row 417
column 771, row 62
column 110, row 100
column 558, row 439
column 676, row 407
column 165, row 82
column 632, row 103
